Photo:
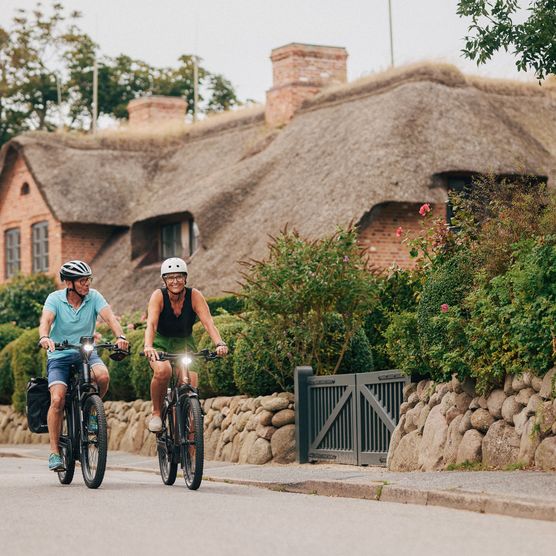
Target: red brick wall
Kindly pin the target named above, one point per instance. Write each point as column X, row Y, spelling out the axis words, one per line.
column 300, row 71
column 22, row 211
column 83, row 241
column 379, row 237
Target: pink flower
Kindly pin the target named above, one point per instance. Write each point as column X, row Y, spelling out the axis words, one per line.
column 346, row 258
column 424, row 209
column 444, row 307
column 399, row 232
column 131, row 326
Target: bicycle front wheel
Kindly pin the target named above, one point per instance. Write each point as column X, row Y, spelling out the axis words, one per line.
column 66, row 450
column 165, row 448
column 95, row 444
column 192, row 445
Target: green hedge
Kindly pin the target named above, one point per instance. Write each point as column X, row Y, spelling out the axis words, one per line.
column 8, row 333
column 23, row 297
column 220, row 373
column 227, row 304
column 6, row 374
column 29, row 361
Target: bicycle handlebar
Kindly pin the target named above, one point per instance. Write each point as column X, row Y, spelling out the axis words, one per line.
column 164, row 356
column 64, row 345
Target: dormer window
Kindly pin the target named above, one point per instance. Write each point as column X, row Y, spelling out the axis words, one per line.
column 25, row 189
column 171, row 240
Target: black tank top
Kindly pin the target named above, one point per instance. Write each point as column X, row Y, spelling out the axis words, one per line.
column 176, row 327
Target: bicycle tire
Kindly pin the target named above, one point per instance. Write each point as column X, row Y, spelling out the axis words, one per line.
column 165, row 449
column 66, row 451
column 95, row 444
column 192, row 445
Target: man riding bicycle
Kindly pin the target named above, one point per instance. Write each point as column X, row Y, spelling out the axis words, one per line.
column 69, row 314
column 172, row 311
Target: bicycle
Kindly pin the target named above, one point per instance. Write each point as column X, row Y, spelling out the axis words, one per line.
column 181, row 438
column 83, row 407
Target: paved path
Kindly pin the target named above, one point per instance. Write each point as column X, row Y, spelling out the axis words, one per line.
column 529, row 494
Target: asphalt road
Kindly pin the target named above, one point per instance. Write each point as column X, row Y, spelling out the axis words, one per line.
column 134, row 513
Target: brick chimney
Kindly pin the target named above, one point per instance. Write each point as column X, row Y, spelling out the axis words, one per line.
column 299, row 71
column 152, row 111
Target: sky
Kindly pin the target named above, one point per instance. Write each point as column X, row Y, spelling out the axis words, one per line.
column 235, row 37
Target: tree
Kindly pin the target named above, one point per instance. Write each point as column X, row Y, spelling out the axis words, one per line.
column 223, row 96
column 494, row 26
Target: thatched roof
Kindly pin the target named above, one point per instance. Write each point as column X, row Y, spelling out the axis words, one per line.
column 348, row 149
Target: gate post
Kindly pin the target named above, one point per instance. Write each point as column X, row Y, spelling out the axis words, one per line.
column 302, row 413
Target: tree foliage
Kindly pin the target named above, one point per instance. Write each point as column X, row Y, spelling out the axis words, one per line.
column 496, row 25
column 46, row 76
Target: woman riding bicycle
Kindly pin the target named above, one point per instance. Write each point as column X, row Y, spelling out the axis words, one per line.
column 172, row 311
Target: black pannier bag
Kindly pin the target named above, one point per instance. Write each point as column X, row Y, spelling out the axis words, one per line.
column 38, row 402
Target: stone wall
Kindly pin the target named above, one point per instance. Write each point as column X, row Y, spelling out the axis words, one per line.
column 237, row 429
column 448, row 424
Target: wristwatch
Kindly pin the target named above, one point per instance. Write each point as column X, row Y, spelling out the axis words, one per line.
column 122, row 337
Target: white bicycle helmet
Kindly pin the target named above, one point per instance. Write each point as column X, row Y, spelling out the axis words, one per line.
column 174, row 264
column 73, row 270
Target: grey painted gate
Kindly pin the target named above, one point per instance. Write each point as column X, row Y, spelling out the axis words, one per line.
column 346, row 418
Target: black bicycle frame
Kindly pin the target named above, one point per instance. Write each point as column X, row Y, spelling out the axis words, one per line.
column 175, row 407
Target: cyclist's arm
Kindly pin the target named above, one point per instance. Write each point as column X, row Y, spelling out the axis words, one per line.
column 47, row 319
column 110, row 319
column 201, row 307
column 153, row 313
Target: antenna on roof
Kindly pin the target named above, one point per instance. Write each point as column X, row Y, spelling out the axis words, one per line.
column 391, row 36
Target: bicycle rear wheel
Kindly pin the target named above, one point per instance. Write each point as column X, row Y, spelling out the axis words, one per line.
column 66, row 450
column 95, row 444
column 192, row 445
column 165, row 449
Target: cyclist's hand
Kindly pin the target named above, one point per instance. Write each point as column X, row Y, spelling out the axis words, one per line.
column 222, row 350
column 122, row 344
column 47, row 344
column 150, row 353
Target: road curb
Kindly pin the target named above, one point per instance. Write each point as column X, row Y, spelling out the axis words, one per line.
column 381, row 492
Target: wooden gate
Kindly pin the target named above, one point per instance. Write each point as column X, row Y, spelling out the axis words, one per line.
column 346, row 418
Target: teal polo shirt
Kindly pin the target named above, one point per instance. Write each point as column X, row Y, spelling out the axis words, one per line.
column 69, row 323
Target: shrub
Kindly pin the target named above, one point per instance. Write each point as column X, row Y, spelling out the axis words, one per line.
column 8, row 333
column 227, row 304
column 135, row 369
column 23, row 297
column 402, row 344
column 220, row 372
column 29, row 361
column 255, row 369
column 440, row 320
column 6, row 374
column 359, row 355
column 396, row 293
column 290, row 295
column 511, row 327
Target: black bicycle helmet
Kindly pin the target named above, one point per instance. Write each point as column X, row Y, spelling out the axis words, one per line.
column 73, row 270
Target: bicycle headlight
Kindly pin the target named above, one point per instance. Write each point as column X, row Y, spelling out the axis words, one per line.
column 88, row 348
column 186, row 360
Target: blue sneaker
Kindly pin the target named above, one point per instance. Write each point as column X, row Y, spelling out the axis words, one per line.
column 93, row 423
column 55, row 463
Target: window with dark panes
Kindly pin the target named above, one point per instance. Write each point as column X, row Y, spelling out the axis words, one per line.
column 171, row 241
column 12, row 243
column 40, row 247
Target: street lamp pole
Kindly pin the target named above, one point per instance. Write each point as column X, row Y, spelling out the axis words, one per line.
column 391, row 35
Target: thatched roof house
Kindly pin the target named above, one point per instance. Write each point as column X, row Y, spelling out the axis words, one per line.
column 370, row 152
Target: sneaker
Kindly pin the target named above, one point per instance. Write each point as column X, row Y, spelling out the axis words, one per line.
column 155, row 424
column 55, row 463
column 93, row 423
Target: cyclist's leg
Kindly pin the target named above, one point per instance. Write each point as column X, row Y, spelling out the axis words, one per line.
column 99, row 374
column 162, row 371
column 58, row 376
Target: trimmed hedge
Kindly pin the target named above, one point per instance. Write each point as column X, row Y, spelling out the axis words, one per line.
column 8, row 333
column 220, row 373
column 29, row 361
column 6, row 374
column 135, row 370
column 23, row 297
